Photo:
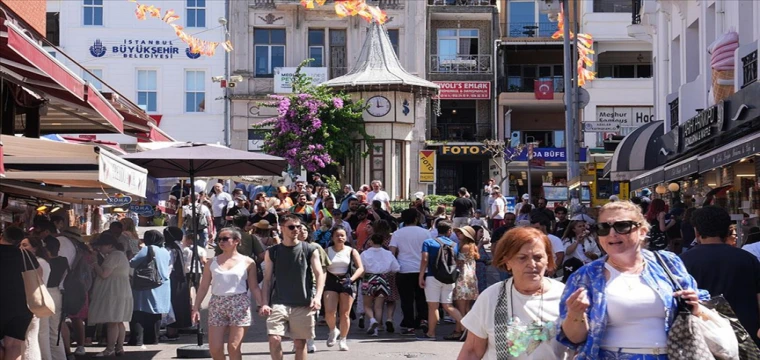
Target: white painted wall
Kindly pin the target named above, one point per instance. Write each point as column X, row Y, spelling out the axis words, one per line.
column 119, row 24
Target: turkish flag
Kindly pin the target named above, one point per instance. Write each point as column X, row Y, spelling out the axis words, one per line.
column 543, row 89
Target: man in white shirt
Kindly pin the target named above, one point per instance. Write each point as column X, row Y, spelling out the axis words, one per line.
column 525, row 201
column 498, row 209
column 219, row 201
column 68, row 248
column 406, row 244
column 378, row 194
column 539, row 221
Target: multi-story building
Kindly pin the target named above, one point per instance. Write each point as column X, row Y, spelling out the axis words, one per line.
column 147, row 62
column 706, row 91
column 281, row 34
column 460, row 59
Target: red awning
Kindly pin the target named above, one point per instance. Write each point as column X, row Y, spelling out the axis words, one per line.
column 73, row 106
column 155, row 135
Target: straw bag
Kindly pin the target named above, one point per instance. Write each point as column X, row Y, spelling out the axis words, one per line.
column 38, row 298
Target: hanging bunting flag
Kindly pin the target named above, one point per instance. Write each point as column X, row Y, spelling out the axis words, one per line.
column 346, row 8
column 585, row 48
column 197, row 46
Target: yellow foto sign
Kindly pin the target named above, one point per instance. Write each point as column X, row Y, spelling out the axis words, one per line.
column 427, row 166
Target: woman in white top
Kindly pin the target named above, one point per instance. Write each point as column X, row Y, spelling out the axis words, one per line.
column 339, row 286
column 37, row 345
column 516, row 318
column 378, row 264
column 230, row 304
column 579, row 243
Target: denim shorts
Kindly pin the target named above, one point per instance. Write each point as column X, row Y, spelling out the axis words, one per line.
column 613, row 355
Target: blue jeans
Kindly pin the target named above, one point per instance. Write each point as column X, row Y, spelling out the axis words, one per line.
column 612, row 355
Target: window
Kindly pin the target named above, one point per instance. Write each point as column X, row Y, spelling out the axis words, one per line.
column 393, row 34
column 147, row 90
column 377, row 160
column 196, row 13
column 93, row 12
column 53, row 29
column 453, row 42
column 520, row 78
column 317, row 47
column 195, row 91
column 94, row 81
column 625, row 71
column 270, row 50
column 613, row 6
column 526, row 21
column 338, row 53
column 457, row 121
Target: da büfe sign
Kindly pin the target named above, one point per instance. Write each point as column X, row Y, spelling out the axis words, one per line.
column 704, row 126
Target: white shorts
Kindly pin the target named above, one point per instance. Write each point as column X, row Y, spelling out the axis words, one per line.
column 460, row 222
column 438, row 292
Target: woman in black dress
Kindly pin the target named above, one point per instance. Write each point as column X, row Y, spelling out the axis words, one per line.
column 180, row 289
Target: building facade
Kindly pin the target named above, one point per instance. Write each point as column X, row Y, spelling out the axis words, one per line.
column 281, row 34
column 146, row 61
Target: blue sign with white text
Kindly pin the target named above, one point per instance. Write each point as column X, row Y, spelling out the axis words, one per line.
column 118, row 200
column 547, row 154
column 139, row 49
column 144, row 210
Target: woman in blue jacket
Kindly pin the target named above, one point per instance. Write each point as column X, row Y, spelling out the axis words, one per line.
column 150, row 304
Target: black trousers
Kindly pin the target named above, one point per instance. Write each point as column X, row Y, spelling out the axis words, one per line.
column 413, row 303
column 143, row 329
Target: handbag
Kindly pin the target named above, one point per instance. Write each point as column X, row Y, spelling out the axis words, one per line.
column 146, row 275
column 748, row 350
column 685, row 339
column 38, row 298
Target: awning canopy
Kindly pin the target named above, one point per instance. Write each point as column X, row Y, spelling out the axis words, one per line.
column 638, row 152
column 73, row 105
column 649, row 178
column 69, row 168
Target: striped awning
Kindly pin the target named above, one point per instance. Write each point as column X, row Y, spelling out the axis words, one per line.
column 637, row 153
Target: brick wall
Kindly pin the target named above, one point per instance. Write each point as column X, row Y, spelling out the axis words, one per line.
column 30, row 11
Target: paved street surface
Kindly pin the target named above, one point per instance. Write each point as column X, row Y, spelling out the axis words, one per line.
column 362, row 346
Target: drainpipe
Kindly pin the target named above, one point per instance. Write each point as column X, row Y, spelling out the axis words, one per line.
column 663, row 61
column 720, row 17
column 496, row 45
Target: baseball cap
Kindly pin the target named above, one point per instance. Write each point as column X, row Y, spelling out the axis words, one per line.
column 526, row 197
column 419, row 195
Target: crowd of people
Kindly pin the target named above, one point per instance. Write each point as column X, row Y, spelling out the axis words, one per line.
column 535, row 283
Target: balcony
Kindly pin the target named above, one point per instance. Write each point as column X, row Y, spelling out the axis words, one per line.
column 462, row 2
column 460, row 64
column 520, row 84
column 462, row 132
column 530, row 30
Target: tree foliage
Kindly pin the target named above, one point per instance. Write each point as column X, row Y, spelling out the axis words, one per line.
column 315, row 126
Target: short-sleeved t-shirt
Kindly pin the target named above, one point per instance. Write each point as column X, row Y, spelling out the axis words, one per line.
column 732, row 272
column 408, row 240
column 432, row 247
column 381, row 196
column 462, row 207
column 557, row 246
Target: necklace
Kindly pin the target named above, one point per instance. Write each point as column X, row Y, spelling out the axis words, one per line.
column 523, row 338
column 540, row 304
column 622, row 269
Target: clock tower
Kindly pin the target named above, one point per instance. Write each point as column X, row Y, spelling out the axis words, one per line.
column 396, row 102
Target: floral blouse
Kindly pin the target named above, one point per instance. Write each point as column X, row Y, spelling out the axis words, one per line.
column 591, row 277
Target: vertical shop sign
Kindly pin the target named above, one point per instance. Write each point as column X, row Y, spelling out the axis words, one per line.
column 427, row 166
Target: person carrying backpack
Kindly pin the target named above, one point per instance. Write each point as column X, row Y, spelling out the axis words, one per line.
column 438, row 276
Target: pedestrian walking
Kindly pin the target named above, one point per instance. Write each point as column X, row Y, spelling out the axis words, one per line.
column 340, row 290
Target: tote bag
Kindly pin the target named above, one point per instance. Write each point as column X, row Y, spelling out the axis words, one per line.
column 38, row 298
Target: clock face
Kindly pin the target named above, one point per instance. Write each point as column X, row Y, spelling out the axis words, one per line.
column 378, row 106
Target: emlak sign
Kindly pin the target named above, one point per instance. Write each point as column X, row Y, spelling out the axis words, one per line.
column 457, row 90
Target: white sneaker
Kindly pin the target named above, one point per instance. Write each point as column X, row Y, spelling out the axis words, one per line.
column 374, row 333
column 332, row 338
column 80, row 351
column 342, row 345
column 372, row 326
column 311, row 347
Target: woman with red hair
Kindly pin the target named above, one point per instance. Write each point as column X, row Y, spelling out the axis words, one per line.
column 516, row 318
column 658, row 227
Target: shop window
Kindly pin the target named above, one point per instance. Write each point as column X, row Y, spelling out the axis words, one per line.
column 544, row 139
column 195, row 91
column 94, row 80
column 393, row 34
column 377, row 160
column 93, row 12
column 196, row 13
column 147, row 90
column 317, row 47
column 269, row 47
column 625, row 71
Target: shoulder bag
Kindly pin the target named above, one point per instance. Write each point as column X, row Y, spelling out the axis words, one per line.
column 748, row 350
column 38, row 298
column 146, row 275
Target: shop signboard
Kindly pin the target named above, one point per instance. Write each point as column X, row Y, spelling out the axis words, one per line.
column 650, row 179
column 549, row 154
column 121, row 174
column 119, row 200
column 677, row 171
column 703, row 126
column 463, row 150
column 142, row 210
column 457, row 90
column 283, row 77
column 729, row 154
column 601, row 126
column 427, row 166
column 625, row 115
column 141, row 48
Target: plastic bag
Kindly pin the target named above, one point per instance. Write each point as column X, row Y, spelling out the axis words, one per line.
column 719, row 335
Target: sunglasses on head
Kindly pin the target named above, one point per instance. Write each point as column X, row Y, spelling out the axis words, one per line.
column 621, row 227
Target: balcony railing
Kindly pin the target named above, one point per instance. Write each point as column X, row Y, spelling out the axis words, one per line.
column 636, row 12
column 458, row 132
column 519, row 84
column 749, row 66
column 462, row 2
column 460, row 64
column 530, row 30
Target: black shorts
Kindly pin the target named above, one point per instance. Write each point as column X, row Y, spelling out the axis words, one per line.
column 14, row 325
column 334, row 283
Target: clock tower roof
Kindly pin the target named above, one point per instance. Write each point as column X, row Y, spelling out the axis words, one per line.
column 378, row 68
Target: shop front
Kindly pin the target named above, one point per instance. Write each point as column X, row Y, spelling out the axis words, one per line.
column 460, row 166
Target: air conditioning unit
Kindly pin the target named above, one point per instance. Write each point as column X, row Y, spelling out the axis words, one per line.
column 514, row 140
column 255, row 145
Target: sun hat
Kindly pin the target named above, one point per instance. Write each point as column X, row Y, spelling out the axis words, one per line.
column 263, row 225
column 466, row 231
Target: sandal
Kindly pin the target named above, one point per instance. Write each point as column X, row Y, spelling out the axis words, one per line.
column 455, row 336
column 105, row 353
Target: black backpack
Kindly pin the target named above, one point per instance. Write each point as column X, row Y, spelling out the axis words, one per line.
column 77, row 284
column 445, row 267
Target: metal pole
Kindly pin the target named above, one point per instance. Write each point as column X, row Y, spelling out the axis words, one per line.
column 195, row 263
column 576, row 96
column 570, row 135
column 227, row 117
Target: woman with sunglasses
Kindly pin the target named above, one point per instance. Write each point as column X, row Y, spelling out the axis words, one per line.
column 634, row 304
column 229, row 276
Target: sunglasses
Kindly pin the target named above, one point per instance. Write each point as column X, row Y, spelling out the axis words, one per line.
column 225, row 238
column 293, row 227
column 621, row 227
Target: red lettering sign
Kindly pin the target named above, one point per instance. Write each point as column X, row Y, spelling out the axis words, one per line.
column 479, row 90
